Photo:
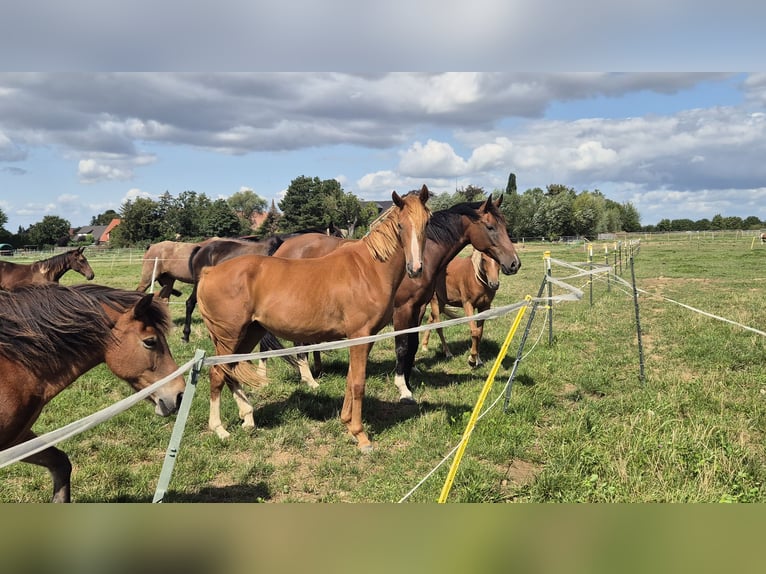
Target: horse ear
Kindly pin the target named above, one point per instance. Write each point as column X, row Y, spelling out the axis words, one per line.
column 485, row 206
column 424, row 193
column 141, row 309
column 499, row 201
column 398, row 201
column 81, row 249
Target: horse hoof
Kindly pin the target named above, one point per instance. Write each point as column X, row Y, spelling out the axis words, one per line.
column 222, row 433
column 366, row 448
column 407, row 401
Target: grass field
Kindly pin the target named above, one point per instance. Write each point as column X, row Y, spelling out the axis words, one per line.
column 580, row 427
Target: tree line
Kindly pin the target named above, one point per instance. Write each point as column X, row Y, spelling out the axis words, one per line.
column 551, row 213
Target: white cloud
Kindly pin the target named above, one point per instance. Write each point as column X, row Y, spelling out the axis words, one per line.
column 434, row 159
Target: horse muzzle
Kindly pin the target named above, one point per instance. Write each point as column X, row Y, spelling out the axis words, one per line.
column 164, row 407
column 414, row 273
column 511, row 269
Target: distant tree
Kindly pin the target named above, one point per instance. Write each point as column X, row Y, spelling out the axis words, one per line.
column 104, row 218
column 703, row 224
column 752, row 222
column 270, row 225
column 246, row 203
column 470, row 194
column 220, row 220
column 346, row 210
column 141, row 223
column 3, row 220
column 48, row 231
column 511, row 206
column 682, row 225
column 629, row 217
column 717, row 222
column 305, row 203
column 664, row 225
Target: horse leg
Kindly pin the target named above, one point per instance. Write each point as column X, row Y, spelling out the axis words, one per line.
column 243, row 404
column 317, row 371
column 302, row 362
column 476, row 331
column 216, row 385
column 191, row 302
column 351, row 413
column 434, row 316
column 402, row 343
column 58, row 465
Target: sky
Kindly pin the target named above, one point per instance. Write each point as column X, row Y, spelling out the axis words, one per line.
column 666, row 135
column 675, row 145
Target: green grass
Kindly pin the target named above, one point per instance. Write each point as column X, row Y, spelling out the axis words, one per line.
column 580, row 426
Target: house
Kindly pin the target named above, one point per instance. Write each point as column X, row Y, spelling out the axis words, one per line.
column 100, row 233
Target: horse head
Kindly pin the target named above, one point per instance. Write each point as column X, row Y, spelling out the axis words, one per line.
column 78, row 262
column 413, row 218
column 489, row 234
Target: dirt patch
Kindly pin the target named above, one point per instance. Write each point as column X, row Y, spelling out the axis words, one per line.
column 520, row 473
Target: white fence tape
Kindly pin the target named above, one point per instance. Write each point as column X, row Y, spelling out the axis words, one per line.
column 23, row 450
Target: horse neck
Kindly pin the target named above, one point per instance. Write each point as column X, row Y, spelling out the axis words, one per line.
column 53, row 268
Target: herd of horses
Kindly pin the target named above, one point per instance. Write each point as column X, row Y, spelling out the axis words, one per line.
column 305, row 288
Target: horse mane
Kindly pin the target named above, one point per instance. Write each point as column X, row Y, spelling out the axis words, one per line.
column 478, row 271
column 45, row 325
column 442, row 227
column 383, row 237
column 55, row 261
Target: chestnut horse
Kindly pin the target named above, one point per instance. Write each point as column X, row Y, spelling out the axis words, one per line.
column 480, row 224
column 470, row 283
column 52, row 334
column 211, row 253
column 15, row 275
column 348, row 293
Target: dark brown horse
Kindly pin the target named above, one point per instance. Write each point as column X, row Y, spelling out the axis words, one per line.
column 346, row 294
column 16, row 275
column 470, row 283
column 52, row 334
column 480, row 224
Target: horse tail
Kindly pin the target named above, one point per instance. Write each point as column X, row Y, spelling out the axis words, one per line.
column 270, row 343
column 450, row 313
column 245, row 373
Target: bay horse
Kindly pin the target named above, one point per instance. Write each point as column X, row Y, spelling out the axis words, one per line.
column 16, row 275
column 480, row 224
column 348, row 293
column 52, row 334
column 470, row 283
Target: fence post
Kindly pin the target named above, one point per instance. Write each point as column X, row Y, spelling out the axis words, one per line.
column 590, row 277
column 606, row 262
column 547, row 258
column 178, row 428
column 154, row 275
column 638, row 325
column 509, row 386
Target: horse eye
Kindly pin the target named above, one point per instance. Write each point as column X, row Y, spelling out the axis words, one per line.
column 491, row 227
column 150, row 343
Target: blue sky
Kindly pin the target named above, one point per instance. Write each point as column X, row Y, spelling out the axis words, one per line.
column 676, row 145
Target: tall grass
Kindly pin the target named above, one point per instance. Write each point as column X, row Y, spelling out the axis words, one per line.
column 580, row 424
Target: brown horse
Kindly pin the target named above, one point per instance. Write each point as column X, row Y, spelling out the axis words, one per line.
column 211, row 253
column 348, row 293
column 470, row 283
column 16, row 275
column 167, row 262
column 480, row 224
column 53, row 334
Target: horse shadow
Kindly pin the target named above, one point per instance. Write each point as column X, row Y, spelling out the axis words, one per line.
column 256, row 492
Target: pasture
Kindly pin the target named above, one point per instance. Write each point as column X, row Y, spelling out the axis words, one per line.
column 580, row 426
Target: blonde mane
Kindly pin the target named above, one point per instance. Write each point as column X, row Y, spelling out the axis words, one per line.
column 383, row 237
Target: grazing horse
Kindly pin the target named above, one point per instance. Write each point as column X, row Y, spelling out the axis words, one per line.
column 470, row 283
column 480, row 224
column 52, row 334
column 167, row 262
column 763, row 237
column 348, row 293
column 16, row 275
